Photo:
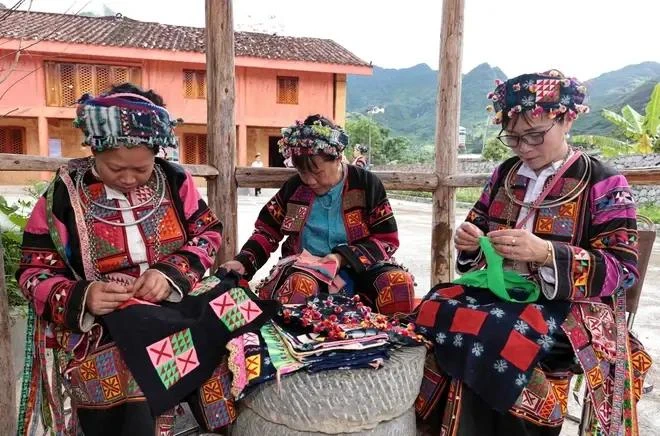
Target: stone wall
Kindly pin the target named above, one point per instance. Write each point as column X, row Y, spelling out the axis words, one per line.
column 471, row 165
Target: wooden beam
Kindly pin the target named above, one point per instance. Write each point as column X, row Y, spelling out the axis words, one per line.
column 221, row 129
column 26, row 162
column 642, row 176
column 7, row 375
column 635, row 176
column 448, row 108
column 275, row 177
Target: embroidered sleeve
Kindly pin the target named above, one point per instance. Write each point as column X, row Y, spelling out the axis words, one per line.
column 266, row 236
column 609, row 264
column 45, row 279
column 186, row 266
column 383, row 240
column 478, row 216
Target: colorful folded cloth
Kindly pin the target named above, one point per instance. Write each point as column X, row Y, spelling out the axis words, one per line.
column 328, row 332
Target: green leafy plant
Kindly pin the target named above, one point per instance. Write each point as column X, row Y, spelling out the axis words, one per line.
column 637, row 133
column 495, row 151
column 13, row 219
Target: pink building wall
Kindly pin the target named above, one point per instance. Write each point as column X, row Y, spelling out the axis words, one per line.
column 321, row 87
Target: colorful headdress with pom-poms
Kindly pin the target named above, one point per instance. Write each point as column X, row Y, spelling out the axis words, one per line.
column 124, row 119
column 549, row 92
column 309, row 140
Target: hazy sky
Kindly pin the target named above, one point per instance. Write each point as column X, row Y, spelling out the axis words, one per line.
column 583, row 38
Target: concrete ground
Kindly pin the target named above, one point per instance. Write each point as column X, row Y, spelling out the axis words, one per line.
column 414, row 220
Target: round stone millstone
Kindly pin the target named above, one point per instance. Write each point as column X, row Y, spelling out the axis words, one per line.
column 251, row 424
column 341, row 401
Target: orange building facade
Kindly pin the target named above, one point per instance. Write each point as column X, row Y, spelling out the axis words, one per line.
column 278, row 80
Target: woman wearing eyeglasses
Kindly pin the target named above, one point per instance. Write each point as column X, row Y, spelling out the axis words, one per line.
column 568, row 222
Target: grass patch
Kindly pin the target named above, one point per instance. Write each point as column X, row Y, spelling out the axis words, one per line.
column 649, row 210
column 464, row 195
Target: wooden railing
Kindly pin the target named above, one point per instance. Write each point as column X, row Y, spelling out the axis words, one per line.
column 248, row 177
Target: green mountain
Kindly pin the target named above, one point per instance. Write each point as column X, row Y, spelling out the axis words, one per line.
column 630, row 85
column 408, row 96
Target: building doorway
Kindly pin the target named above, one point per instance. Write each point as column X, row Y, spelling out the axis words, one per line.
column 275, row 159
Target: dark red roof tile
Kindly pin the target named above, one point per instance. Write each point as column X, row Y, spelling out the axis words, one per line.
column 125, row 32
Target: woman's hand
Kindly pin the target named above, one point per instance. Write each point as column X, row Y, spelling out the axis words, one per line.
column 105, row 297
column 234, row 265
column 467, row 237
column 152, row 286
column 519, row 244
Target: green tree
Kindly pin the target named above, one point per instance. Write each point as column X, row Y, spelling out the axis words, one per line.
column 364, row 130
column 495, row 151
column 394, row 149
column 637, row 133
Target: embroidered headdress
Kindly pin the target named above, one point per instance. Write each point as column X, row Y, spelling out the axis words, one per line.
column 124, row 119
column 309, row 140
column 549, row 92
column 362, row 148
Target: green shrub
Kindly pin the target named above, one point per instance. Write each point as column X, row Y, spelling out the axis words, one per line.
column 495, row 151
column 11, row 237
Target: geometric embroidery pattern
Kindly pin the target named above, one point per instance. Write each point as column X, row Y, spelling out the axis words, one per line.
column 235, row 308
column 103, row 379
column 211, row 391
column 173, row 357
column 111, row 388
column 547, row 90
column 253, row 366
column 217, row 403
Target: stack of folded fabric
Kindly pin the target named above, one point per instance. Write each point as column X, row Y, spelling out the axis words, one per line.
column 328, row 332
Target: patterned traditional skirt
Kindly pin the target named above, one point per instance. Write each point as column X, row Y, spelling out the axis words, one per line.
column 387, row 287
column 519, row 358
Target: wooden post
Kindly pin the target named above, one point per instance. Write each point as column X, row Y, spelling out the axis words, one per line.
column 7, row 375
column 446, row 138
column 220, row 119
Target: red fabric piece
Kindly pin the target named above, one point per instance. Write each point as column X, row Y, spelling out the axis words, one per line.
column 427, row 313
column 520, row 351
column 532, row 316
column 451, row 292
column 468, row 321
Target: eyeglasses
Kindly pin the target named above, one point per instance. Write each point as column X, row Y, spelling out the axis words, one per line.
column 532, row 138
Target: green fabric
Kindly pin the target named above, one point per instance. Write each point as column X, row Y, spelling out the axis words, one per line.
column 500, row 282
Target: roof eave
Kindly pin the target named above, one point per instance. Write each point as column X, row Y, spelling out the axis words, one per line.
column 71, row 49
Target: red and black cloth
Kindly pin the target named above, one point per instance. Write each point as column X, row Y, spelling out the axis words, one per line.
column 489, row 344
column 173, row 348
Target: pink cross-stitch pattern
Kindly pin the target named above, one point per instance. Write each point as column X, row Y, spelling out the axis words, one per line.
column 160, row 352
column 251, row 339
column 222, row 304
column 187, row 361
column 250, row 310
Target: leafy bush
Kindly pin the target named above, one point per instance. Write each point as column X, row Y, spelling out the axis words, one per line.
column 12, row 223
column 495, row 151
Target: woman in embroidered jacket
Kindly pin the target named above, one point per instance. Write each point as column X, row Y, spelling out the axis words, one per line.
column 567, row 221
column 334, row 211
column 122, row 223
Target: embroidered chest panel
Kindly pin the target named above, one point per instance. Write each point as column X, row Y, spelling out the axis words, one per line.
column 354, row 209
column 561, row 222
column 161, row 232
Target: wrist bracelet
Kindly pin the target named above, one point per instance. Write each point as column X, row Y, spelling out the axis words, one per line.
column 549, row 254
